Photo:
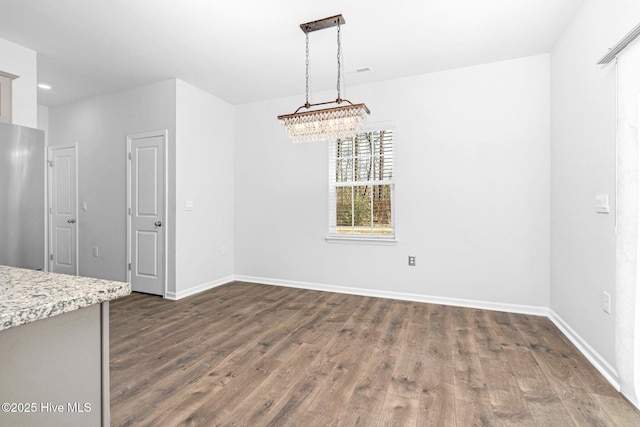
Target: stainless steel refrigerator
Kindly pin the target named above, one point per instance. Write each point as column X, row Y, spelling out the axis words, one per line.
column 22, row 197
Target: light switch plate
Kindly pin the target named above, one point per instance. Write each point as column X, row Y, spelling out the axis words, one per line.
column 606, row 302
column 602, row 203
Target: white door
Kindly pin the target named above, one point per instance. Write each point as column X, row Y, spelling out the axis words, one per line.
column 63, row 225
column 147, row 212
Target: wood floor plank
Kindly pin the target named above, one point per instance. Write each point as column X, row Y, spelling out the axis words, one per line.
column 544, row 405
column 257, row 355
column 418, row 313
column 340, row 383
column 294, row 402
column 410, row 364
column 365, row 404
column 507, row 400
column 264, row 401
column 488, row 340
column 557, row 360
column 313, row 419
column 398, row 411
column 437, row 399
column 313, row 319
column 346, row 349
column 618, row 410
column 472, row 402
column 394, row 329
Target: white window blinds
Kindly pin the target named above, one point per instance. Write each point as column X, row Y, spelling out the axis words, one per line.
column 361, row 185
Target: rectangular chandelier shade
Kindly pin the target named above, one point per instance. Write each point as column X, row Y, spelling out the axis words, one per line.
column 328, row 124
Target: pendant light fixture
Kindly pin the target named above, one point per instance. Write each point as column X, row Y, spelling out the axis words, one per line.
column 326, row 124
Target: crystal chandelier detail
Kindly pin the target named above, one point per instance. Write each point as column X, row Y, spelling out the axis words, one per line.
column 325, row 124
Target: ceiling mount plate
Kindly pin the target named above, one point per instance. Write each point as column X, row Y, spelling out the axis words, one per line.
column 321, row 24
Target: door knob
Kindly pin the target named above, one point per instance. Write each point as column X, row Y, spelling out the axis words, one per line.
column 158, row 224
column 71, row 221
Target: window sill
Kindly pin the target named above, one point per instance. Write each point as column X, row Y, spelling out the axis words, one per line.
column 357, row 240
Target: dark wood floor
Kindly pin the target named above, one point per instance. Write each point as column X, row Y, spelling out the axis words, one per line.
column 257, row 355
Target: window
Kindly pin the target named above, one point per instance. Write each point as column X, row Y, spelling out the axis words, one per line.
column 361, row 186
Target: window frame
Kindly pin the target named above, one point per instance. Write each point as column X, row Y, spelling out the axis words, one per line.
column 380, row 239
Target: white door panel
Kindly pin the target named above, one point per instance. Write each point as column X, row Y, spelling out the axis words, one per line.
column 147, row 182
column 146, row 262
column 63, row 245
column 147, row 228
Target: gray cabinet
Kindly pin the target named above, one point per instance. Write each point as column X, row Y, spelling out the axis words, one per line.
column 55, row 371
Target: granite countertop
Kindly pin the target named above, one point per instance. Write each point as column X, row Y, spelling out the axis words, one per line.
column 29, row 295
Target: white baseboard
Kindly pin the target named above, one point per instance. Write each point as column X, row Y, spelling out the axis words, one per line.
column 199, row 288
column 593, row 356
column 484, row 305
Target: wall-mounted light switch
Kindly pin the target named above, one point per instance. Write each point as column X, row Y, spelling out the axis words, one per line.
column 606, row 302
column 602, row 203
column 188, row 205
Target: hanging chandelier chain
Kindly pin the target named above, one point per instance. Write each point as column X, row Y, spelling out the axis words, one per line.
column 339, row 65
column 307, row 67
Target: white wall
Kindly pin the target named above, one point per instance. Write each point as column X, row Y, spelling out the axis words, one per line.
column 22, row 62
column 204, row 173
column 43, row 122
column 99, row 125
column 583, row 243
column 472, row 200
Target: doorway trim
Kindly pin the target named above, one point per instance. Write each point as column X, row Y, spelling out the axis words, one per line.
column 165, row 256
column 50, row 149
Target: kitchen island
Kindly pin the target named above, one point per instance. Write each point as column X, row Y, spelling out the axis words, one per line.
column 54, row 348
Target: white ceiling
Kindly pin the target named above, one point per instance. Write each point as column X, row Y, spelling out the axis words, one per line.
column 250, row 50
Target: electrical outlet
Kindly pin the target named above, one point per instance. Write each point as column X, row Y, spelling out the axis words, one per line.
column 606, row 302
column 412, row 260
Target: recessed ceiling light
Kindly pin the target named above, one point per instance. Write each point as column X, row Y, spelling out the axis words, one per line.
column 45, row 86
